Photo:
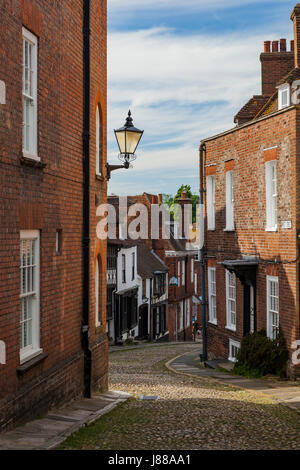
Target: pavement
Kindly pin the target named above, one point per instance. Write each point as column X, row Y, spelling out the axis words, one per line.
column 287, row 395
column 48, row 432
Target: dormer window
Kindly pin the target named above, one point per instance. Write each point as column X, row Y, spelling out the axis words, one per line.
column 283, row 96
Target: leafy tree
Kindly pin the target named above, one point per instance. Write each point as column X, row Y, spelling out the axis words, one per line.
column 187, row 189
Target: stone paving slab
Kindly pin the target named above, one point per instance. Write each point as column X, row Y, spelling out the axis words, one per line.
column 47, row 433
column 288, row 396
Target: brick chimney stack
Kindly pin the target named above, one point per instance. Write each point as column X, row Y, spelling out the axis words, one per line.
column 276, row 62
column 295, row 17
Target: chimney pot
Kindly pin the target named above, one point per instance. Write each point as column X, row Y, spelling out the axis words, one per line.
column 275, row 46
column 267, row 46
column 160, row 198
column 282, row 45
column 183, row 195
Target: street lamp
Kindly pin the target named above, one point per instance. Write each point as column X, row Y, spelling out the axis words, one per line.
column 128, row 138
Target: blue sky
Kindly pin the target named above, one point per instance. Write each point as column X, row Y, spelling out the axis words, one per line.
column 184, row 68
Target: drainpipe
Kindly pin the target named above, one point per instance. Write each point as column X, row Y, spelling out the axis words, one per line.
column 202, row 151
column 86, row 201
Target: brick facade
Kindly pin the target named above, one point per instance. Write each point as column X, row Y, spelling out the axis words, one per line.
column 277, row 251
column 48, row 197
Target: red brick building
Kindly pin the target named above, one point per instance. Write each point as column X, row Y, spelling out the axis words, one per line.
column 173, row 312
column 52, row 160
column 253, row 212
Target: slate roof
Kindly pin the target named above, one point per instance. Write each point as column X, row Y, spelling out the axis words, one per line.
column 250, row 110
column 148, row 262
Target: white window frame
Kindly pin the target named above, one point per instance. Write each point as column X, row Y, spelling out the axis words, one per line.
column 192, row 270
column 272, row 306
column 32, row 271
column 230, row 300
column 235, row 344
column 183, row 272
column 212, row 295
column 179, row 274
column 271, row 196
column 230, row 201
column 97, row 294
column 181, row 316
column 196, row 283
column 98, row 143
column 210, row 202
column 187, row 313
column 284, row 90
column 30, row 148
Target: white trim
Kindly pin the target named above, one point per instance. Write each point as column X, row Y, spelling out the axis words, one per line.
column 281, row 90
column 270, row 279
column 236, row 344
column 210, row 202
column 271, row 195
column 32, row 153
column 33, row 349
column 210, row 270
column 229, row 325
column 229, row 201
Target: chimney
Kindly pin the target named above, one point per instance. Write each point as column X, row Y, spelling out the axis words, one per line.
column 267, row 46
column 282, row 45
column 160, row 198
column 276, row 62
column 296, row 20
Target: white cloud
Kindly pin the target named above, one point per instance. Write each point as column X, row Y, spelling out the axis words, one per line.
column 180, row 88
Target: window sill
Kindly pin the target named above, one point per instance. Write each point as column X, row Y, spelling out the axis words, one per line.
column 232, row 359
column 32, row 161
column 31, row 362
column 271, row 229
column 99, row 177
column 229, row 229
column 211, row 229
column 230, row 328
column 213, row 322
column 27, row 356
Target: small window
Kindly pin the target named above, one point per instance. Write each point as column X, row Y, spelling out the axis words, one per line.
column 210, row 202
column 59, row 242
column 272, row 306
column 271, row 195
column 229, row 201
column 29, row 92
column 123, row 269
column 283, row 96
column 212, row 295
column 234, row 347
column 30, row 294
column 231, row 300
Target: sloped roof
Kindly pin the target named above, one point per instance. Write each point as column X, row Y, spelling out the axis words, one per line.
column 290, row 77
column 148, row 262
column 250, row 110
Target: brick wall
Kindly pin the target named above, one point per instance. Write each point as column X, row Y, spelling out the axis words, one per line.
column 277, row 251
column 50, row 198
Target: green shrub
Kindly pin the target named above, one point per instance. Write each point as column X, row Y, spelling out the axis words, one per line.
column 259, row 355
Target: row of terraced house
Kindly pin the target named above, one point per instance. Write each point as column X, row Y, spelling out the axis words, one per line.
column 252, row 184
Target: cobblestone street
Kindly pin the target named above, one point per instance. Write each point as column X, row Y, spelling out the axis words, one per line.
column 190, row 414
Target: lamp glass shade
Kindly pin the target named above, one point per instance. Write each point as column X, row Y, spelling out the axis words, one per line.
column 128, row 140
column 128, row 137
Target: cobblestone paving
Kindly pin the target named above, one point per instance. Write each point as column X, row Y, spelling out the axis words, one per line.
column 192, row 413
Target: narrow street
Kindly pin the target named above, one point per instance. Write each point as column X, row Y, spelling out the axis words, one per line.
column 192, row 413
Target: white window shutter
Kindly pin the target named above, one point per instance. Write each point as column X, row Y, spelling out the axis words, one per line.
column 229, row 201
